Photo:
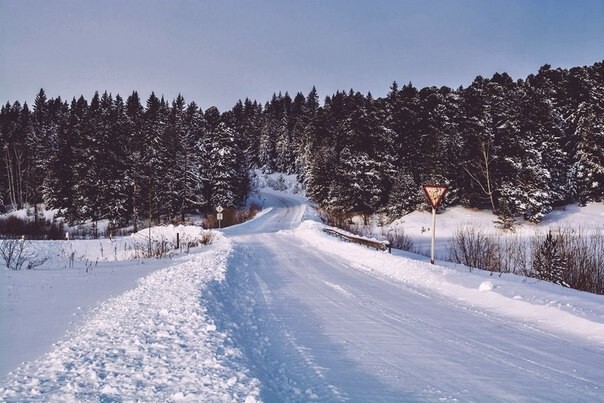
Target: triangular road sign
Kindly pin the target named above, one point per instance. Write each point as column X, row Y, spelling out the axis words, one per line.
column 435, row 194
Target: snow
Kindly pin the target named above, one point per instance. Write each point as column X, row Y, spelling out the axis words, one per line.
column 417, row 225
column 154, row 342
column 486, row 286
column 574, row 313
column 277, row 310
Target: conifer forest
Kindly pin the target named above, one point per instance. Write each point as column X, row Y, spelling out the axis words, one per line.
column 517, row 147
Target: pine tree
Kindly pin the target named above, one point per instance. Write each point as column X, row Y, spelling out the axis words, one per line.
column 117, row 201
column 589, row 162
column 135, row 146
column 307, row 129
column 543, row 164
column 39, row 145
column 404, row 196
column 57, row 123
column 175, row 158
column 153, row 156
column 284, row 146
column 402, row 108
column 192, row 152
column 222, row 170
column 319, row 154
column 267, row 152
column 60, row 182
column 549, row 263
column 73, row 167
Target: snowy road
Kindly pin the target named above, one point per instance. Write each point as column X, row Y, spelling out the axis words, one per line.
column 280, row 311
column 316, row 327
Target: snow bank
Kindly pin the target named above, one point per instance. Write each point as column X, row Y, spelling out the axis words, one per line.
column 156, row 342
column 417, row 225
column 59, row 254
column 537, row 304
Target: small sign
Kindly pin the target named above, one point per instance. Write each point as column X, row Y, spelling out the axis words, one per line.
column 219, row 209
column 435, row 194
column 219, row 216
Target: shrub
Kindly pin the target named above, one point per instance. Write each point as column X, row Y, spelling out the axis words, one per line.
column 162, row 247
column 16, row 227
column 18, row 252
column 569, row 257
column 575, row 256
column 153, row 248
column 231, row 216
column 277, row 184
column 399, row 240
column 549, row 260
column 474, row 249
column 513, row 256
column 337, row 219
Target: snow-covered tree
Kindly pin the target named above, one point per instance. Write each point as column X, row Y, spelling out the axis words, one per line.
column 589, row 160
column 192, row 153
column 221, row 169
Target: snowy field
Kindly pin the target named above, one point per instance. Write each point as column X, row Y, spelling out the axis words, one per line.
column 417, row 225
column 276, row 310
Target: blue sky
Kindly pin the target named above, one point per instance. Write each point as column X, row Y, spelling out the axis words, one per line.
column 216, row 52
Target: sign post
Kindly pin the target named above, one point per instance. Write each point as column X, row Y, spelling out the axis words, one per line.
column 435, row 195
column 219, row 217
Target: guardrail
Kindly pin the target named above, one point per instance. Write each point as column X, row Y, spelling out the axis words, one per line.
column 377, row 245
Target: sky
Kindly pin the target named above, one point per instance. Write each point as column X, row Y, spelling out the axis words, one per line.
column 217, row 52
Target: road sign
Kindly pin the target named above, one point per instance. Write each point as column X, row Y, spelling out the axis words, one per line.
column 219, row 216
column 219, row 209
column 435, row 194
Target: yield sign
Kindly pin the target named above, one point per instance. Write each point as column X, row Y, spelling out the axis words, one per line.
column 435, row 194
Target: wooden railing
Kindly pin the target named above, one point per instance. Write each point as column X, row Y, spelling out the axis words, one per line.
column 377, row 245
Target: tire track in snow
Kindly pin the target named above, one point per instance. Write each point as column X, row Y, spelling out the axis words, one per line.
column 287, row 369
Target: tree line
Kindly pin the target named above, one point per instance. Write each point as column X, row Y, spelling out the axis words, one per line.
column 517, row 147
column 117, row 160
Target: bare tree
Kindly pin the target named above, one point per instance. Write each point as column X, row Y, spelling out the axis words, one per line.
column 15, row 161
column 480, row 171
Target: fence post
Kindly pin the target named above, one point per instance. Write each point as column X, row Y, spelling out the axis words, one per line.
column 177, row 240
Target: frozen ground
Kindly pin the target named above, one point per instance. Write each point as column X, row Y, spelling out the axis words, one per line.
column 276, row 310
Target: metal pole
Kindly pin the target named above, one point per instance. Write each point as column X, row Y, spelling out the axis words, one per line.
column 433, row 233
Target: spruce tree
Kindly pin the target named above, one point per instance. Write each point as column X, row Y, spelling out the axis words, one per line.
column 135, row 146
column 549, row 262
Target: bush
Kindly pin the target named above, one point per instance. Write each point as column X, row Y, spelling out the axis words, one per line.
column 16, row 227
column 549, row 260
column 474, row 249
column 18, row 252
column 162, row 247
column 399, row 240
column 335, row 218
column 277, row 184
column 513, row 256
column 231, row 216
column 568, row 257
column 571, row 257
